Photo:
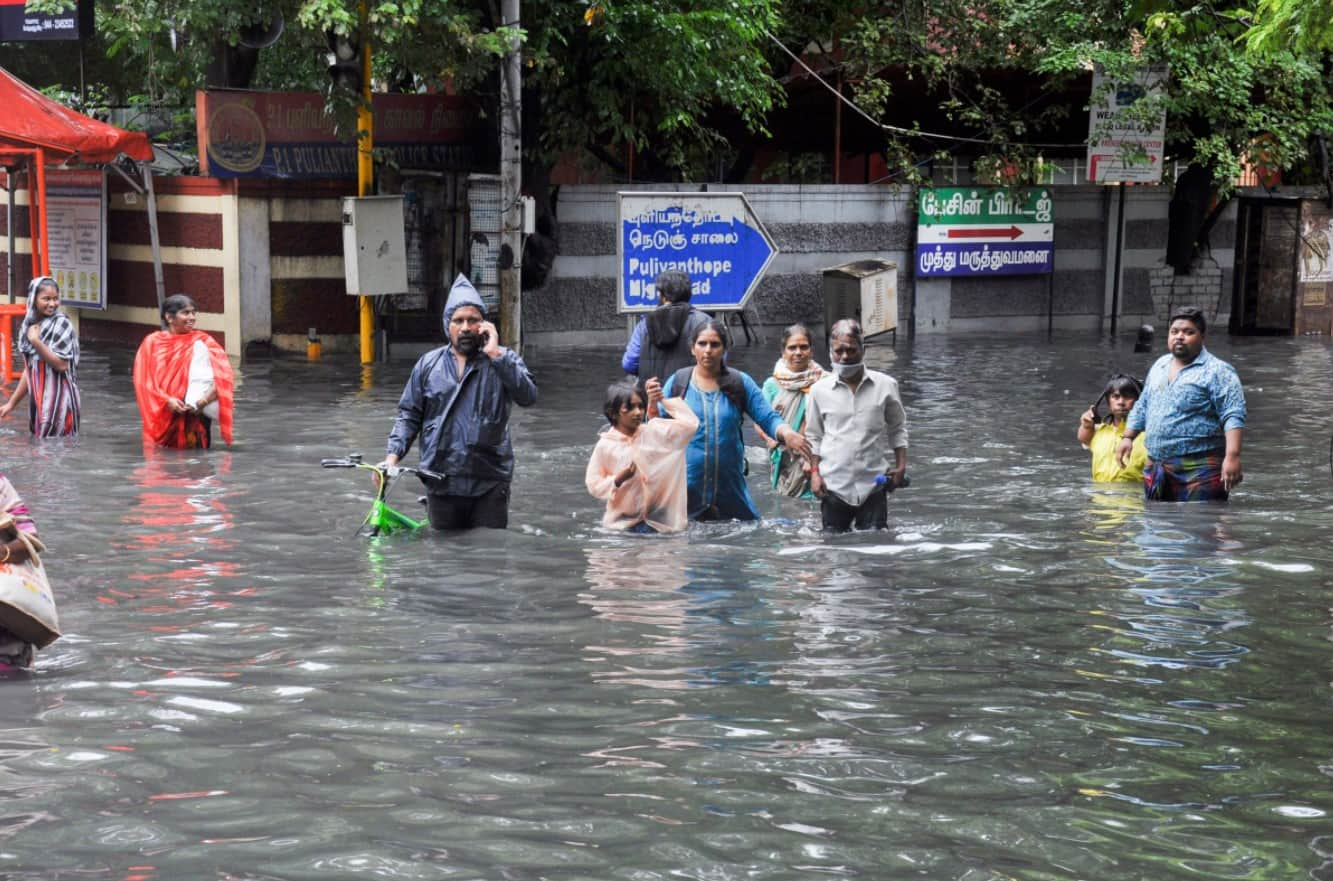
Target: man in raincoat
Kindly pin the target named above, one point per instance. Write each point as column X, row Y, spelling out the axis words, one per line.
column 458, row 400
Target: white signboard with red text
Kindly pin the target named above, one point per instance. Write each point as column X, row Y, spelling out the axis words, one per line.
column 1126, row 136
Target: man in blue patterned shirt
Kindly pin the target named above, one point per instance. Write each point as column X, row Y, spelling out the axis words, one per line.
column 1193, row 408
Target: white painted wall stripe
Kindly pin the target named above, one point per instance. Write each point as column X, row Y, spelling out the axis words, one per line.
column 165, row 204
column 150, row 318
column 322, row 210
column 284, row 268
column 180, row 256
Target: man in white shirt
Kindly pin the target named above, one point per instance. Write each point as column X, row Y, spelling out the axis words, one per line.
column 854, row 417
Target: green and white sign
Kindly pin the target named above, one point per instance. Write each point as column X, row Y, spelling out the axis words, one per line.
column 985, row 231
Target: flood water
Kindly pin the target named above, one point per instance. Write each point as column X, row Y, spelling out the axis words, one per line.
column 1027, row 677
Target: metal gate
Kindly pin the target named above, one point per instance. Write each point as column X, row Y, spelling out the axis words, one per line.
column 1284, row 267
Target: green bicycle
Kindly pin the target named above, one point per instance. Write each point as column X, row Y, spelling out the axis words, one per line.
column 382, row 519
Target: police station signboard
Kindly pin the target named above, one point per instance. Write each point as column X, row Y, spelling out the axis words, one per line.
column 715, row 238
column 985, row 231
column 292, row 135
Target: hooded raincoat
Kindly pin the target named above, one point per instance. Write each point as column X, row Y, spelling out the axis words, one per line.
column 656, row 494
column 660, row 344
column 462, row 418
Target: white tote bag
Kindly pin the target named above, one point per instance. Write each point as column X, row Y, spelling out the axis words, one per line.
column 27, row 608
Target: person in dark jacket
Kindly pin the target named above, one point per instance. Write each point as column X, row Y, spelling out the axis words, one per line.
column 458, row 400
column 660, row 343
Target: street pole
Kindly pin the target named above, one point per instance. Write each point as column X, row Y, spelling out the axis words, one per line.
column 511, row 182
column 11, row 182
column 1119, row 250
column 365, row 172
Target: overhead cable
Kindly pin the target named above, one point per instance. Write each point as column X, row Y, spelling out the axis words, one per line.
column 907, row 131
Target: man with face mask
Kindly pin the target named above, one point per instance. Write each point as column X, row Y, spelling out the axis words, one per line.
column 854, row 417
column 458, row 400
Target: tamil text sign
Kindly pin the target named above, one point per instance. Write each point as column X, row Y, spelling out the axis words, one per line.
column 291, row 135
column 1127, row 128
column 985, row 231
column 715, row 238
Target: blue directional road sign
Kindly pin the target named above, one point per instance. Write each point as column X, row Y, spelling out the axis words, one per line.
column 715, row 238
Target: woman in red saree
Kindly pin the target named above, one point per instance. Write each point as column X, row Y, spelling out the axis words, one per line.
column 183, row 381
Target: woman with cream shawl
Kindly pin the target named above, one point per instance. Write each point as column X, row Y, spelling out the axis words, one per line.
column 786, row 390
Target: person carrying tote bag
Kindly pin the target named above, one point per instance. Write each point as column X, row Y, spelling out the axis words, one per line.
column 28, row 618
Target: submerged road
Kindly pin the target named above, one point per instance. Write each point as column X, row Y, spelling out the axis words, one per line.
column 1027, row 677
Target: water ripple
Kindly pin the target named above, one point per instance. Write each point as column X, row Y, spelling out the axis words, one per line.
column 1027, row 677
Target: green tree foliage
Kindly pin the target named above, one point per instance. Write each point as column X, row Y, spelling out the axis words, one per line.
column 647, row 74
column 1228, row 106
column 1298, row 25
column 176, row 41
column 602, row 74
column 667, row 81
column 1225, row 106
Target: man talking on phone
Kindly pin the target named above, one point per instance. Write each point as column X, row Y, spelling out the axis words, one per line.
column 458, row 400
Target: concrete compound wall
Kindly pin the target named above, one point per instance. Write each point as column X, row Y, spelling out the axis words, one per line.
column 197, row 233
column 817, row 227
column 262, row 259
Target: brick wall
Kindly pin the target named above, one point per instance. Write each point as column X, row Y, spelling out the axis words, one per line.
column 1200, row 288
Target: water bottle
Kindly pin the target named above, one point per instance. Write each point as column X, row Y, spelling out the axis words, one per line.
column 883, row 480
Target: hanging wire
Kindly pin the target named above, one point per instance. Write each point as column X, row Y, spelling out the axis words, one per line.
column 916, row 133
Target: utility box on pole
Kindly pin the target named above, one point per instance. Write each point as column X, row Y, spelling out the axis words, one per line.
column 866, row 290
column 374, row 245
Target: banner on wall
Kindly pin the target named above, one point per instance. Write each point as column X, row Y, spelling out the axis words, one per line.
column 291, row 135
column 1315, row 265
column 76, row 230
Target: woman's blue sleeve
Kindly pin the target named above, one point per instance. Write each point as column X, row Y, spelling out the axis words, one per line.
column 759, row 409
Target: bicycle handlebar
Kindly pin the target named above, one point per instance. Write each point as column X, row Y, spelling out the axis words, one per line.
column 354, row 461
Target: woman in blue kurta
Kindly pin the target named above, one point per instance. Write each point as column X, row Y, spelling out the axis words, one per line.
column 721, row 398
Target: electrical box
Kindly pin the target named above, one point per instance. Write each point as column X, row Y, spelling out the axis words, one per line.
column 866, row 290
column 529, row 215
column 374, row 245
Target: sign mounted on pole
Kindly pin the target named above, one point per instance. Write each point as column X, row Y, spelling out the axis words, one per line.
column 1124, row 146
column 714, row 238
column 985, row 231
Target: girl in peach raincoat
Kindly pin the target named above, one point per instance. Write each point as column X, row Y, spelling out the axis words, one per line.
column 638, row 465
